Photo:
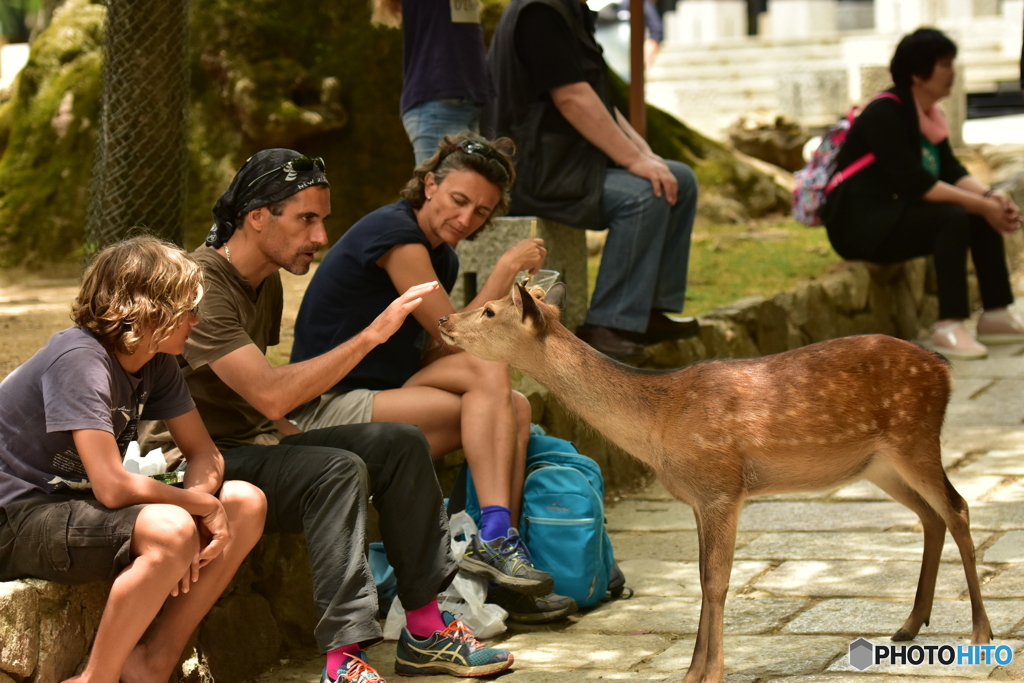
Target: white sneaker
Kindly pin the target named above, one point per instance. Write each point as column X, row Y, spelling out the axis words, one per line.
column 953, row 341
column 1000, row 327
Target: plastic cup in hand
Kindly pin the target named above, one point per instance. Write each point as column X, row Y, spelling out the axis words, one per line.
column 543, row 279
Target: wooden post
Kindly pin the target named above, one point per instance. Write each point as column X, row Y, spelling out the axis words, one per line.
column 637, row 30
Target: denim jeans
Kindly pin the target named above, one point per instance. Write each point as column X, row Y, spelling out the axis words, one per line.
column 647, row 251
column 428, row 122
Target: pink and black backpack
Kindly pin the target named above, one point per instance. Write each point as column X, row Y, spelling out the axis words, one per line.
column 819, row 177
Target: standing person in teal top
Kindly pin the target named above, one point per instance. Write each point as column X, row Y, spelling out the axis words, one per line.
column 917, row 199
column 458, row 400
column 446, row 82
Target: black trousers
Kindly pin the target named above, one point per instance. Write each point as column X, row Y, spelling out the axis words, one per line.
column 318, row 482
column 949, row 232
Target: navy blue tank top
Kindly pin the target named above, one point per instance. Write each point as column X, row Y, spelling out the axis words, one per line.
column 349, row 290
column 443, row 55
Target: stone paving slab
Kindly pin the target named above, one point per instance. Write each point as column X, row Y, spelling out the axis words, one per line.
column 563, row 676
column 681, row 579
column 1008, row 548
column 1002, row 462
column 824, row 516
column 666, row 545
column 1009, row 583
column 962, row 671
column 856, row 545
column 997, row 515
column 761, row 655
column 866, row 617
column 1000, row 404
column 644, row 515
column 583, row 651
column 970, row 485
column 977, row 438
column 858, row 677
column 843, row 578
column 1004, row 366
column 682, row 615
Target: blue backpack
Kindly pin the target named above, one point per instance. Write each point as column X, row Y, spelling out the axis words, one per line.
column 562, row 521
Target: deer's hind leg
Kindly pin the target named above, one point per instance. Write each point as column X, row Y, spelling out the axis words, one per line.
column 929, row 481
column 934, row 536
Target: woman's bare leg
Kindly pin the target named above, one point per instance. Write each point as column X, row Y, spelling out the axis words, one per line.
column 488, row 423
column 523, row 420
column 435, row 411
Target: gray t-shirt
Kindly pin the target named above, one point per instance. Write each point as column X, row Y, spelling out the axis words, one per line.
column 74, row 383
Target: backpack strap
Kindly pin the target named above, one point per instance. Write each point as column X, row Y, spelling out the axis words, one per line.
column 864, row 161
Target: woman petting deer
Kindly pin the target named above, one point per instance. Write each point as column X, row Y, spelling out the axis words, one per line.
column 459, row 401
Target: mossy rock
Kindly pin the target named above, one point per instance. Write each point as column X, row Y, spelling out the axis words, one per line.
column 312, row 76
column 48, row 132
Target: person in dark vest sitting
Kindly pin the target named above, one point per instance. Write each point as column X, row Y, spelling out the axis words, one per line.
column 581, row 163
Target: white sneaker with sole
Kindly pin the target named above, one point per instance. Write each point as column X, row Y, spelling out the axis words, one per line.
column 1000, row 327
column 953, row 341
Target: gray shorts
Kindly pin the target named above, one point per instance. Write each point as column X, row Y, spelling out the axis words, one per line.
column 337, row 408
column 68, row 539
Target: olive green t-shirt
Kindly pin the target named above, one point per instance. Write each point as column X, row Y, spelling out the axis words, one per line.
column 232, row 315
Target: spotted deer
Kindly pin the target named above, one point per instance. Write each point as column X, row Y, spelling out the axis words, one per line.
column 717, row 432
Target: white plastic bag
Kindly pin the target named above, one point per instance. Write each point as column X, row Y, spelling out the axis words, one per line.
column 464, row 598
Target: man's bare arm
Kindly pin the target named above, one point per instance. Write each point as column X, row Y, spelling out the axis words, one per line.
column 583, row 109
column 275, row 391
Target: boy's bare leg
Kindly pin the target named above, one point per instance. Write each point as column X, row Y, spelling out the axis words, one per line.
column 155, row 658
column 164, row 541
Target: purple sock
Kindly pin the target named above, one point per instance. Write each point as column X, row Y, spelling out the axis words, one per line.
column 495, row 521
column 336, row 659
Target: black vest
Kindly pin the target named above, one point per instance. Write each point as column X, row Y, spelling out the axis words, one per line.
column 559, row 174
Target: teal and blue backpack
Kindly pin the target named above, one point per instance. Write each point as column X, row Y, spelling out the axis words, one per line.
column 562, row 521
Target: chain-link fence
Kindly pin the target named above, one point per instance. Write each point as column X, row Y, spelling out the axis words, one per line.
column 141, row 170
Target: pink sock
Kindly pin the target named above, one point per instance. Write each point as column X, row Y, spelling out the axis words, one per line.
column 337, row 659
column 424, row 621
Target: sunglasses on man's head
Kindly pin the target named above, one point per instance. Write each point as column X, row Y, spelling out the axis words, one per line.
column 484, row 150
column 301, row 164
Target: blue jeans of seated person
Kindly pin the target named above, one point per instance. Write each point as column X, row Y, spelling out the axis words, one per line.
column 427, row 123
column 647, row 252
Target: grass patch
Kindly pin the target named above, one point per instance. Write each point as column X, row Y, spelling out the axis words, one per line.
column 732, row 262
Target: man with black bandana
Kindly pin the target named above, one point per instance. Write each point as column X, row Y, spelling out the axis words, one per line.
column 272, row 217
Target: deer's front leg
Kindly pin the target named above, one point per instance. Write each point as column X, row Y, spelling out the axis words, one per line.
column 716, row 530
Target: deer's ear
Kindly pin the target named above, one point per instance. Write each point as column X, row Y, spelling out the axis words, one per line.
column 556, row 295
column 527, row 307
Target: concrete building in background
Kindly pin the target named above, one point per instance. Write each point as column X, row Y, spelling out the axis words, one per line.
column 812, row 59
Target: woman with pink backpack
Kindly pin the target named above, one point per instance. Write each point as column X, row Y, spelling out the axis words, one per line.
column 916, row 199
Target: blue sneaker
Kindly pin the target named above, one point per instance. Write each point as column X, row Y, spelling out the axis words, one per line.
column 356, row 670
column 506, row 562
column 453, row 651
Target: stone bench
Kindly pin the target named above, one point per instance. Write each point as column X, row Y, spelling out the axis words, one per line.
column 567, row 253
column 267, row 612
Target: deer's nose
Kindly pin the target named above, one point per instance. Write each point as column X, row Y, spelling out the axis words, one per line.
column 442, row 321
